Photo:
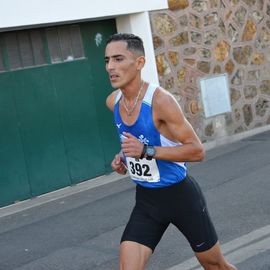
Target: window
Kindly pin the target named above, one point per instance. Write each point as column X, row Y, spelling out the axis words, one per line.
column 65, row 43
column 76, row 42
column 1, row 63
column 27, row 48
column 54, row 46
column 13, row 50
column 38, row 47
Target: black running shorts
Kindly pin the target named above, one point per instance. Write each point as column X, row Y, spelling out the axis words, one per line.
column 181, row 204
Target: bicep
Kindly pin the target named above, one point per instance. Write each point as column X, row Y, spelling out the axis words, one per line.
column 181, row 130
column 175, row 122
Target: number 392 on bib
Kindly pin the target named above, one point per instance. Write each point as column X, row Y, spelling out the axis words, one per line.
column 143, row 169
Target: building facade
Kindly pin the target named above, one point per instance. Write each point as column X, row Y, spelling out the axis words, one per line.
column 205, row 38
column 55, row 130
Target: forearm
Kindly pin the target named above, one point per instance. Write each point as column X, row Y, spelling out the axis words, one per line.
column 188, row 152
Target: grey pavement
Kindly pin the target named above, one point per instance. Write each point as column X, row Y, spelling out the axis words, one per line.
column 79, row 227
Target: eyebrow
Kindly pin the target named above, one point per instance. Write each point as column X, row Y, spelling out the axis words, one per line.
column 113, row 56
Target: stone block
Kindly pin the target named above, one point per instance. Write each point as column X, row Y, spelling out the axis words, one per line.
column 173, row 56
column 265, row 87
column 258, row 59
column 239, row 16
column 247, row 112
column 178, row 4
column 204, row 66
column 199, row 5
column 179, row 39
column 235, row 95
column 250, row 91
column 164, row 24
column 163, row 67
column 221, row 51
column 249, row 30
column 261, row 106
column 229, row 67
column 242, row 54
column 158, row 42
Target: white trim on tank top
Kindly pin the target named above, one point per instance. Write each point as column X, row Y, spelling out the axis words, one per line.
column 147, row 97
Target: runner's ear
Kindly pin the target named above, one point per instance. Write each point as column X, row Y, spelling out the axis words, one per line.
column 140, row 62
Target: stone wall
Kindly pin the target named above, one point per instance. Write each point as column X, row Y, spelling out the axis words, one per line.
column 198, row 38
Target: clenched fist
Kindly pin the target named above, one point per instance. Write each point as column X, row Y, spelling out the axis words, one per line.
column 118, row 164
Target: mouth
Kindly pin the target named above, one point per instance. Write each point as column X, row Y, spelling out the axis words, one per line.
column 113, row 77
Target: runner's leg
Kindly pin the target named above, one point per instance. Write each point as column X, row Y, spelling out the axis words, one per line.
column 213, row 259
column 133, row 256
column 143, row 231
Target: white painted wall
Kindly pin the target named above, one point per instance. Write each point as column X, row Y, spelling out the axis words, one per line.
column 139, row 24
column 18, row 13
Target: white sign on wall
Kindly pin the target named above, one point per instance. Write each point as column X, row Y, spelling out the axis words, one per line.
column 215, row 95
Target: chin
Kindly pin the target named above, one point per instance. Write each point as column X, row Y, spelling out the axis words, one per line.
column 116, row 84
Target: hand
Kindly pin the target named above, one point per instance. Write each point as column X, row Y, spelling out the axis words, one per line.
column 118, row 164
column 131, row 146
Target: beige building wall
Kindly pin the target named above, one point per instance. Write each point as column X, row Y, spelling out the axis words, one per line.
column 199, row 38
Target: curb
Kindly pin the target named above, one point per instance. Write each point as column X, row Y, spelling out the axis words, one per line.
column 60, row 193
column 234, row 138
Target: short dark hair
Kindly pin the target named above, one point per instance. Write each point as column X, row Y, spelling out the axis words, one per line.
column 134, row 43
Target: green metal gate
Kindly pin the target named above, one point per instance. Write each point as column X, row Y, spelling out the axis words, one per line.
column 55, row 128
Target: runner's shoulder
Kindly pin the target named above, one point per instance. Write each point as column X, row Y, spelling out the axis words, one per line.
column 163, row 98
column 110, row 101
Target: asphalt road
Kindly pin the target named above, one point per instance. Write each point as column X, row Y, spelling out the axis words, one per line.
column 82, row 231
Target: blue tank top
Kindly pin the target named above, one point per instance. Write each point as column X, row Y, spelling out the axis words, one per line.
column 155, row 173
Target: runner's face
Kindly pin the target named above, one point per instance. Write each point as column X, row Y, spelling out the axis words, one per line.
column 122, row 65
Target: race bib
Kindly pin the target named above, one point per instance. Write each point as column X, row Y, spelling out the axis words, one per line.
column 143, row 169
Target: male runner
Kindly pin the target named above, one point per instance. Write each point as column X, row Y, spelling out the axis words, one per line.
column 156, row 142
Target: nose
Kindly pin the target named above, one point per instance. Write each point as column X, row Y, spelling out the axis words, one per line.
column 109, row 64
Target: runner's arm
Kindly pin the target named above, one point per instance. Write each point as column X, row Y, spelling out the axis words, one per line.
column 172, row 120
column 118, row 163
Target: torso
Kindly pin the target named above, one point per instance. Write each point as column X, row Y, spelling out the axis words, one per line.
column 146, row 124
column 130, row 120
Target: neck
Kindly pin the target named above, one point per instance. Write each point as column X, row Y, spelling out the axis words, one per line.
column 131, row 92
column 131, row 105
